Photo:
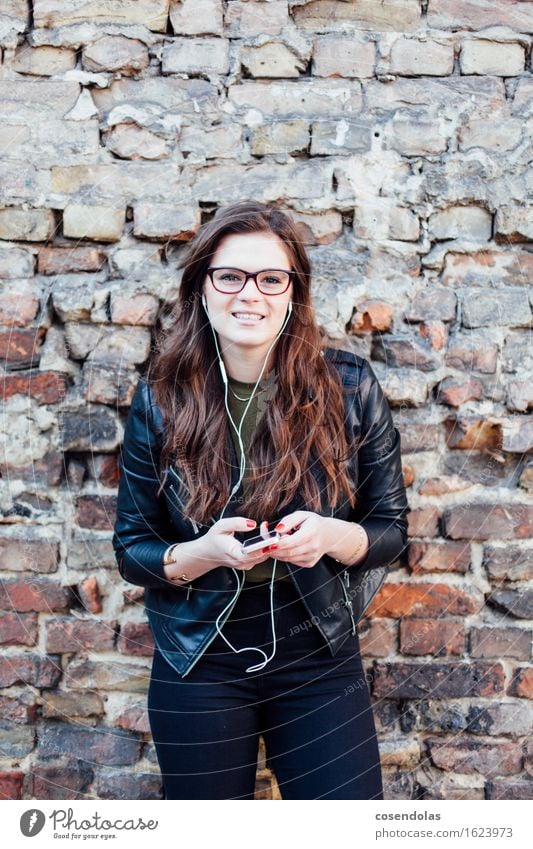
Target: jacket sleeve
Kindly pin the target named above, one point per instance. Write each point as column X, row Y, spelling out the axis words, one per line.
column 142, row 530
column 381, row 506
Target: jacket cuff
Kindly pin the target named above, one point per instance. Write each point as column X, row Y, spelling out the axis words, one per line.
column 142, row 564
column 385, row 544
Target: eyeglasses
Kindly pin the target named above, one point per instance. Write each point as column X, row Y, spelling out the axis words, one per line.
column 271, row 281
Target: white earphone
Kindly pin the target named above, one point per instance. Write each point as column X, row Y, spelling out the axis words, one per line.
column 240, row 583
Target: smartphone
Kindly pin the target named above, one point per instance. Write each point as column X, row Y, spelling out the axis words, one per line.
column 258, row 542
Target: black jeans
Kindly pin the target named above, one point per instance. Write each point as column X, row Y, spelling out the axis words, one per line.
column 313, row 710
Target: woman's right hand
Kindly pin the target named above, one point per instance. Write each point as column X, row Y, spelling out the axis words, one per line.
column 220, row 546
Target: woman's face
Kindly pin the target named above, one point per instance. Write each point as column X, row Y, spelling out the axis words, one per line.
column 249, row 252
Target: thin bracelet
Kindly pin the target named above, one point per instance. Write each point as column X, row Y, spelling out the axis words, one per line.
column 354, row 553
column 167, row 558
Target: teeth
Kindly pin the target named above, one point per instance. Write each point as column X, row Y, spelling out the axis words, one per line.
column 247, row 315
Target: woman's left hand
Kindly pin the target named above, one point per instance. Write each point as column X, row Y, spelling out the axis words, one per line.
column 310, row 539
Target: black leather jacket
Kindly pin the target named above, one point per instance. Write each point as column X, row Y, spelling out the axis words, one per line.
column 182, row 619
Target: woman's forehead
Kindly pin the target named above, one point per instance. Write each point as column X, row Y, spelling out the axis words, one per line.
column 254, row 248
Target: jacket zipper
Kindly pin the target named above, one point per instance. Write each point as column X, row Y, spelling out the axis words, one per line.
column 348, row 602
column 216, row 632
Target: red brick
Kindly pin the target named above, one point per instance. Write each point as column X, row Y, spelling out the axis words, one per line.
column 105, row 469
column 424, row 600
column 96, row 511
column 408, row 475
column 475, row 756
column 20, row 347
column 11, row 785
column 423, row 522
column 463, row 354
column 21, row 709
column 377, row 637
column 65, row 704
column 29, row 555
column 140, row 309
column 68, row 781
column 371, row 316
column 18, row 629
column 46, row 387
column 18, row 310
column 46, row 471
column 136, row 639
column 455, row 392
column 73, row 635
column 134, row 718
column 446, row 680
column 35, row 669
column 522, row 683
column 489, row 521
column 64, row 260
column 39, row 594
column 438, row 557
column 500, row 642
column 432, row 636
column 90, row 595
column 436, row 332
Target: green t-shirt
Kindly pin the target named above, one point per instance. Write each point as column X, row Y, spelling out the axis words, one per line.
column 265, row 391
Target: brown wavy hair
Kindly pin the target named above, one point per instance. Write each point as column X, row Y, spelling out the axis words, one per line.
column 302, row 426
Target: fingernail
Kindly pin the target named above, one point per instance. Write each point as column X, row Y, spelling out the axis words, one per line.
column 279, row 528
column 264, row 550
column 272, row 547
column 250, row 523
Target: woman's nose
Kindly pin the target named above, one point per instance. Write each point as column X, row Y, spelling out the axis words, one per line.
column 250, row 289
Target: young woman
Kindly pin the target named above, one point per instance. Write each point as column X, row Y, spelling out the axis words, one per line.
column 247, row 421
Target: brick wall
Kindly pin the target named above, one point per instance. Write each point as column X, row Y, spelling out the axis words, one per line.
column 399, row 134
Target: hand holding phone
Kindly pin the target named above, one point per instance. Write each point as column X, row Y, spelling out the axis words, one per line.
column 259, row 542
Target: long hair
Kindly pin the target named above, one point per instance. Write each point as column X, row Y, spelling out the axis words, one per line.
column 303, row 425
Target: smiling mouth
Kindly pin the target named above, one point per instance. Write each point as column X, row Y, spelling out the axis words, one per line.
column 247, row 316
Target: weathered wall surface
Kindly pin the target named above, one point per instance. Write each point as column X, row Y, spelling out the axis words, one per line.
column 399, row 135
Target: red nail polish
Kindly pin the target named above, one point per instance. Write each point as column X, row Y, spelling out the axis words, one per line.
column 250, row 523
column 272, row 547
column 279, row 528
